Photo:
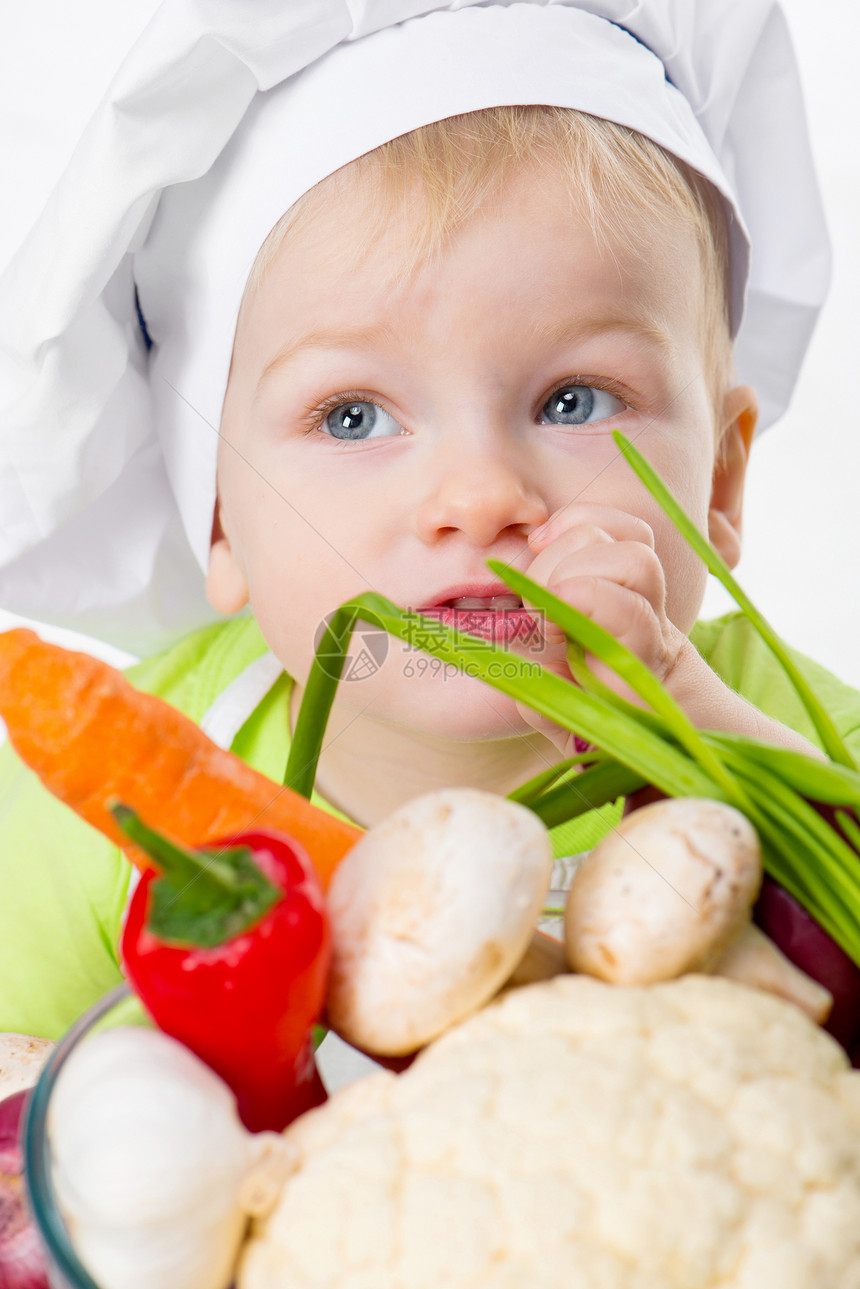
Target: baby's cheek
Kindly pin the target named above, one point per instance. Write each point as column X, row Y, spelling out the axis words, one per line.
column 686, row 579
column 283, row 609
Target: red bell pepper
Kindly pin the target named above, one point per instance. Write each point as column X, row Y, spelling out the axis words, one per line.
column 228, row 948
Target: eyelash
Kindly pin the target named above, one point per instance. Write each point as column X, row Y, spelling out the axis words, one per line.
column 314, row 417
column 608, row 386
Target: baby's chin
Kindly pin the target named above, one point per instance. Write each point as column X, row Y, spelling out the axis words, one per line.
column 438, row 701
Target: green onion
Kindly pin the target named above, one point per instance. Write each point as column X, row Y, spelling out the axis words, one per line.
column 530, row 791
column 306, row 743
column 848, row 824
column 822, row 781
column 585, row 677
column 593, row 637
column 615, row 731
column 829, row 872
column 594, row 787
column 827, row 731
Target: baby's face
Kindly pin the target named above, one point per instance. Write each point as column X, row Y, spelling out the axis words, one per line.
column 394, row 436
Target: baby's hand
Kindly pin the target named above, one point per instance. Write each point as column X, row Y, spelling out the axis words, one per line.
column 603, row 562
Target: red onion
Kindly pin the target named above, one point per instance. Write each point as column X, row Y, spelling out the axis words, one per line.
column 22, row 1261
column 797, row 934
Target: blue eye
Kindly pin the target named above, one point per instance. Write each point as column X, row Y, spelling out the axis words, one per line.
column 580, row 405
column 360, row 420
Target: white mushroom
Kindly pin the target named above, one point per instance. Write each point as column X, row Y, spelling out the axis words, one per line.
column 754, row 959
column 21, row 1061
column 431, row 911
column 671, row 891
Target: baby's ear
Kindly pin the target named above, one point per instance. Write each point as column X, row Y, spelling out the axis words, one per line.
column 226, row 587
column 740, row 413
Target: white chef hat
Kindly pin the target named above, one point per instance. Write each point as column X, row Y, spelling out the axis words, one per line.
column 224, row 113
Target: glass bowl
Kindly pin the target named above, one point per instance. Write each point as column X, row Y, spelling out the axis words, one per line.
column 65, row 1270
column 338, row 1064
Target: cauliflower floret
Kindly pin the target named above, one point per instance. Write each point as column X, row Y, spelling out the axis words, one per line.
column 576, row 1135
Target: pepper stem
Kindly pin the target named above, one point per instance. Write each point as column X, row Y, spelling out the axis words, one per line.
column 178, row 862
column 200, row 897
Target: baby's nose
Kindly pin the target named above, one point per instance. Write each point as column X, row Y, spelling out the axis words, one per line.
column 480, row 494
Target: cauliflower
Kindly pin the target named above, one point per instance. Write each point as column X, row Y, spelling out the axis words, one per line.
column 579, row 1135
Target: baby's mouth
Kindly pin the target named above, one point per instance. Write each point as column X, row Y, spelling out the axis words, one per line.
column 500, row 619
column 495, row 602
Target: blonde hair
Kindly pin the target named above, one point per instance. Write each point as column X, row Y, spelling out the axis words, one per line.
column 457, row 166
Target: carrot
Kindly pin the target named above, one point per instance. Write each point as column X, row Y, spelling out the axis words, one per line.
column 91, row 736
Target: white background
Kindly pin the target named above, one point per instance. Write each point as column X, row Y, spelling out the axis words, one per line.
column 802, row 527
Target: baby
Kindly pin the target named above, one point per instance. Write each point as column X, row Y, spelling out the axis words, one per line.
column 418, row 408
column 433, row 347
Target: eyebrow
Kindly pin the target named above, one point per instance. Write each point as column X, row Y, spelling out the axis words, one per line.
column 638, row 328
column 324, row 338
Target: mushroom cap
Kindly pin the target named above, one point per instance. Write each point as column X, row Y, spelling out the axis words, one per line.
column 431, row 911
column 664, row 893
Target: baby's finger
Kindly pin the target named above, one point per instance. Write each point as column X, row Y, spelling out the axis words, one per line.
column 566, row 743
column 544, row 566
column 624, row 613
column 627, row 564
column 619, row 524
column 579, row 538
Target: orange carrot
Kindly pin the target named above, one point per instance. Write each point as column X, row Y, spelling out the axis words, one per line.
column 91, row 736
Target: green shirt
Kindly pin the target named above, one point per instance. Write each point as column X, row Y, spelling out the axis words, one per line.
column 63, row 887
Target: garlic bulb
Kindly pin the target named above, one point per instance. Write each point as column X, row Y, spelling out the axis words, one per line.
column 153, row 1171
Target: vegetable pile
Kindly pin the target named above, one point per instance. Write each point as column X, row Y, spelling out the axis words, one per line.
column 550, row 1126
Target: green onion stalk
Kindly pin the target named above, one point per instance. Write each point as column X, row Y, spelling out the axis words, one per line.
column 804, row 809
